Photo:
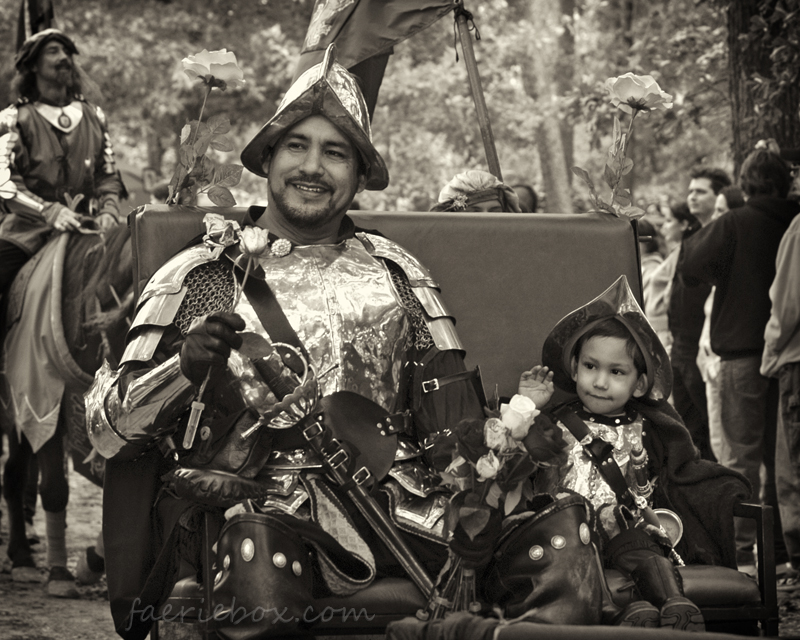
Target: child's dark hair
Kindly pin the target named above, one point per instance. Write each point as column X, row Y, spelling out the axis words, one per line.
column 613, row 328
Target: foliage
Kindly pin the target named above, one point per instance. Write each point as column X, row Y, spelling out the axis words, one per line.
column 425, row 124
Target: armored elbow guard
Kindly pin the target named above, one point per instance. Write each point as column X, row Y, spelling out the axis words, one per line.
column 122, row 428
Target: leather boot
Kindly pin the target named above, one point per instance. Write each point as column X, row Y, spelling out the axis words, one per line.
column 660, row 584
column 548, row 568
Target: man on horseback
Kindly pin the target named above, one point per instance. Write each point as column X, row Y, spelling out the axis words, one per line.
column 329, row 312
column 57, row 173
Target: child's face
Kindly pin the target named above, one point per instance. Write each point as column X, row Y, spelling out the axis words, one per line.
column 606, row 376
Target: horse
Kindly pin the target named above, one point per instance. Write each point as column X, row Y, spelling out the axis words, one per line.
column 77, row 292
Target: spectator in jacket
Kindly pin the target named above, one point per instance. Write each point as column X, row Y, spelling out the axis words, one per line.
column 736, row 253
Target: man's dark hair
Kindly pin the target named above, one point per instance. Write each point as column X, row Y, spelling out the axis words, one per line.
column 765, row 173
column 733, row 196
column 717, row 177
column 613, row 328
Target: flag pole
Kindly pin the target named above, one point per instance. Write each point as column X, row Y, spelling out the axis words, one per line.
column 462, row 18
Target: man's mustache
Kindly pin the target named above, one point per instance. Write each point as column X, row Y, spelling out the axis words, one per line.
column 65, row 66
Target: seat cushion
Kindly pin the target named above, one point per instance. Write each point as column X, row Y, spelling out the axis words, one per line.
column 705, row 585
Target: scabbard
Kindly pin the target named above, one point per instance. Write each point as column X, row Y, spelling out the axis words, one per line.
column 336, row 461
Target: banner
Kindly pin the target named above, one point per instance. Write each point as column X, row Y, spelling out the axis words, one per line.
column 365, row 32
column 34, row 16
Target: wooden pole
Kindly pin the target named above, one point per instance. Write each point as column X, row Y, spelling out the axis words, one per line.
column 477, row 93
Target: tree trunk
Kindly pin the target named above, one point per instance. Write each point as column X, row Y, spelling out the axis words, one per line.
column 540, row 83
column 565, row 75
column 755, row 119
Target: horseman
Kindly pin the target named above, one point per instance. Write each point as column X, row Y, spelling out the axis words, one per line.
column 325, row 310
column 57, row 173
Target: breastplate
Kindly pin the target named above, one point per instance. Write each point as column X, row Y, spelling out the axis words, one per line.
column 341, row 302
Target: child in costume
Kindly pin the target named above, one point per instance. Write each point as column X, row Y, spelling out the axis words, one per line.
column 627, row 452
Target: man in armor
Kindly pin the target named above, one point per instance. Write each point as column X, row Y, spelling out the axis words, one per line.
column 237, row 344
column 56, row 159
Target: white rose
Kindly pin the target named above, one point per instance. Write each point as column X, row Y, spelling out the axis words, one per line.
column 518, row 415
column 254, row 241
column 495, row 434
column 487, row 466
column 214, row 67
column 630, row 92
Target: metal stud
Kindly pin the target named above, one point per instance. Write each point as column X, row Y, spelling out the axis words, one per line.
column 248, row 549
column 279, row 560
column 205, row 433
column 226, row 561
column 218, row 577
column 297, row 568
column 536, row 552
column 379, row 425
column 558, row 542
column 584, row 533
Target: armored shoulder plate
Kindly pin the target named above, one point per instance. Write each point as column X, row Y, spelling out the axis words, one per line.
column 439, row 321
column 159, row 302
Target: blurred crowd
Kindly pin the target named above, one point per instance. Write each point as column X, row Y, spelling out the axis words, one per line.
column 721, row 285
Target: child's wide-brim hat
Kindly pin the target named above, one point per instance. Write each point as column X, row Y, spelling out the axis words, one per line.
column 617, row 302
column 330, row 90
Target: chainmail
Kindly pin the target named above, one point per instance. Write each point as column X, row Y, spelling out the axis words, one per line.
column 421, row 334
column 210, row 288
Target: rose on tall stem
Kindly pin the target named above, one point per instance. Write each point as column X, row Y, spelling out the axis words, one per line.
column 196, row 172
column 632, row 94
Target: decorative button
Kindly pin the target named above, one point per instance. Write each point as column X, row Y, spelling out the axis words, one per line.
column 379, row 425
column 226, row 561
column 248, row 549
column 536, row 552
column 584, row 533
column 279, row 560
column 297, row 568
column 218, row 577
column 558, row 542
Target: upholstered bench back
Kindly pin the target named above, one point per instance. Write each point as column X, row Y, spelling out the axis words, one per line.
column 507, row 278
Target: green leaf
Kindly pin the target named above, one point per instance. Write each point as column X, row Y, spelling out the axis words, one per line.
column 186, row 131
column 583, row 175
column 610, row 176
column 219, row 124
column 493, row 495
column 221, row 197
column 228, row 175
column 513, row 498
column 627, row 165
column 187, row 156
column 474, row 521
column 617, row 134
column 622, row 200
column 221, row 143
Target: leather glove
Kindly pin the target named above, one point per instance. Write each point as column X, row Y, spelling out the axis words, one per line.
column 478, row 551
column 60, row 217
column 208, row 344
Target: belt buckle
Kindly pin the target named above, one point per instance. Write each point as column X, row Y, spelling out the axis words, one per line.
column 429, row 386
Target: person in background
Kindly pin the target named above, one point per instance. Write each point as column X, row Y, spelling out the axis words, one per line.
column 731, row 197
column 528, row 199
column 658, row 285
column 781, row 360
column 61, row 176
column 476, row 190
column 685, row 314
column 736, row 253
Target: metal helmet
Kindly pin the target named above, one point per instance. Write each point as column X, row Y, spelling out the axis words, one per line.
column 29, row 51
column 330, row 90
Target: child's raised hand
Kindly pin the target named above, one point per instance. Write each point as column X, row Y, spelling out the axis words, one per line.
column 537, row 384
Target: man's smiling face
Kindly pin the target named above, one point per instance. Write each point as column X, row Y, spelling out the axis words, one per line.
column 313, row 174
